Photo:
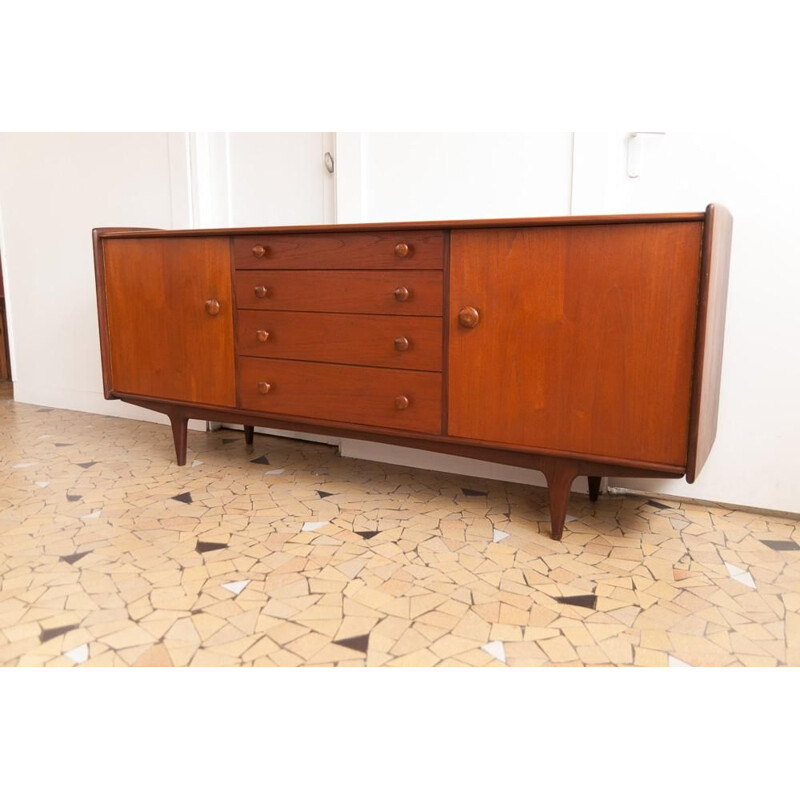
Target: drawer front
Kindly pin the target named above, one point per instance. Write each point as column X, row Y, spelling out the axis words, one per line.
column 365, row 292
column 380, row 250
column 334, row 393
column 369, row 340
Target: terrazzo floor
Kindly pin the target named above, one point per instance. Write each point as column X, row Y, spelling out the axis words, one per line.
column 285, row 554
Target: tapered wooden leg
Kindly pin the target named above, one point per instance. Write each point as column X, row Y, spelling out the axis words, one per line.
column 594, row 487
column 559, row 481
column 249, row 430
column 179, row 425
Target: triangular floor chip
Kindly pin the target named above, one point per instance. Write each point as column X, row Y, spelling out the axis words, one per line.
column 740, row 575
column 259, row 460
column 207, row 547
column 47, row 635
column 583, row 600
column 359, row 643
column 498, row 536
column 495, row 650
column 78, row 654
column 676, row 662
column 183, row 497
column 236, row 586
column 656, row 504
column 745, row 580
column 87, row 464
column 777, row 544
column 73, row 497
column 474, row 493
column 75, row 557
column 325, row 494
column 367, row 534
column 314, row 526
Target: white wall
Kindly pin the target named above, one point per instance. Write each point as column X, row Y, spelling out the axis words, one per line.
column 54, row 188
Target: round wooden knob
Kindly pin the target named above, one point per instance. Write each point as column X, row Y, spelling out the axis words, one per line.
column 401, row 294
column 212, row 307
column 261, row 291
column 401, row 343
column 468, row 317
column 401, row 402
column 262, row 336
column 401, row 249
column 263, row 387
column 259, row 251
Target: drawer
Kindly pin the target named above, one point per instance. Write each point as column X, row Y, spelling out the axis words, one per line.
column 414, row 292
column 369, row 340
column 333, row 393
column 379, row 250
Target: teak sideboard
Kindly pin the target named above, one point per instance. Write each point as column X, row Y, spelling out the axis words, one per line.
column 574, row 345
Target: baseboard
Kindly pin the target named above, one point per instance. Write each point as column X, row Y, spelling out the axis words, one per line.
column 90, row 402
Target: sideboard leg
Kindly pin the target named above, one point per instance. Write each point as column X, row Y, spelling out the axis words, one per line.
column 594, row 487
column 249, row 430
column 559, row 482
column 179, row 426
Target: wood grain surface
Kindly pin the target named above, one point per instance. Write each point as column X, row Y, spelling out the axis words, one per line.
column 162, row 341
column 710, row 336
column 585, row 342
column 361, row 292
column 364, row 339
column 377, row 250
column 364, row 395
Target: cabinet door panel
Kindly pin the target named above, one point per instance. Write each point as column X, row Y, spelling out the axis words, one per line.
column 162, row 338
column 585, row 338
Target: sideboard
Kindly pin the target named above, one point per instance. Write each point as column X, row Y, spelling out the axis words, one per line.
column 573, row 345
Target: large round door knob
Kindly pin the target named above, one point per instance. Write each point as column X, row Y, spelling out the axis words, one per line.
column 401, row 249
column 401, row 294
column 262, row 336
column 468, row 317
column 261, row 291
column 401, row 343
column 401, row 402
column 263, row 387
column 212, row 307
column 259, row 251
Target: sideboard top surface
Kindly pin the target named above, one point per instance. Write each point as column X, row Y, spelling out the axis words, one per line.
column 615, row 219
